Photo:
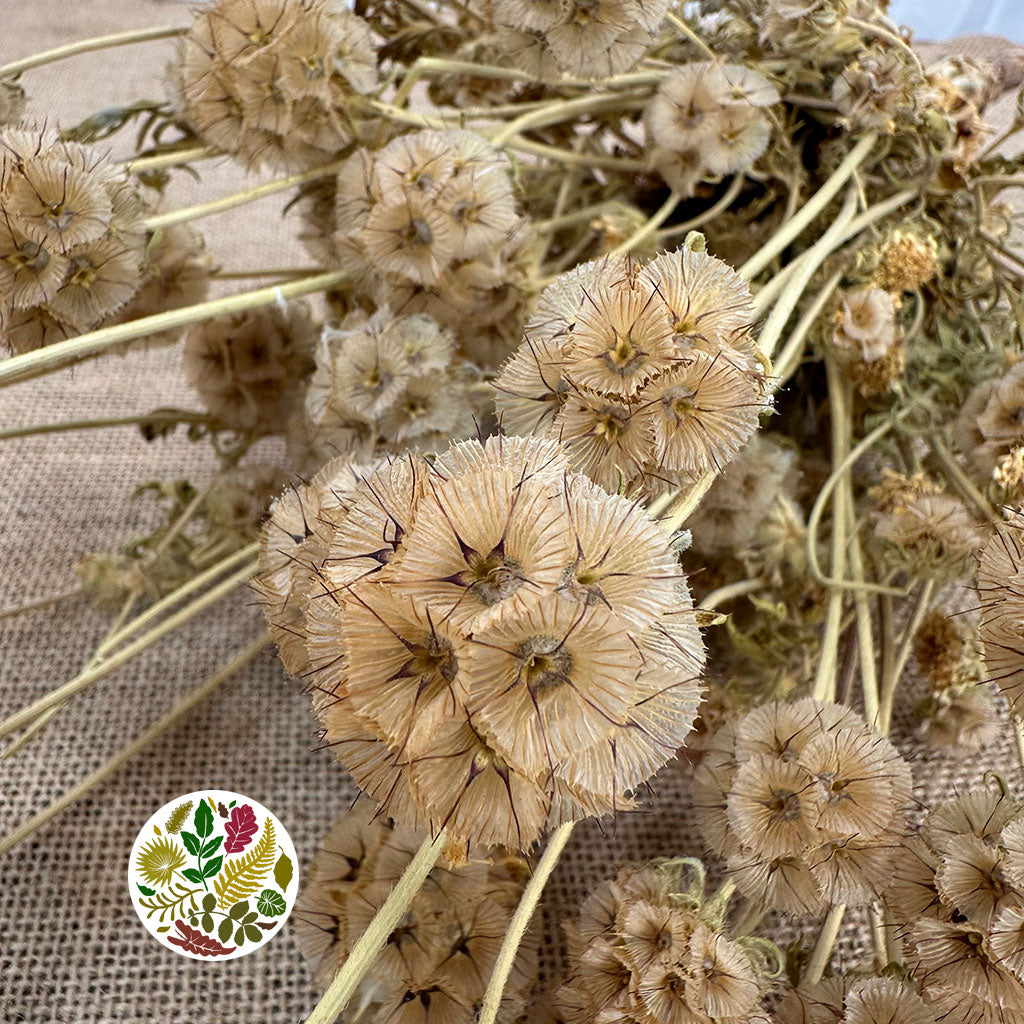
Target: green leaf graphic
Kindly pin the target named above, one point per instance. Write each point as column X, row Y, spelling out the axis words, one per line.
column 239, row 910
column 211, row 867
column 271, row 903
column 207, row 923
column 243, row 876
column 224, row 931
column 164, row 928
column 211, row 847
column 192, row 843
column 178, row 816
column 252, row 933
column 203, row 820
column 209, row 902
column 283, row 872
column 145, row 891
column 192, row 875
column 239, row 937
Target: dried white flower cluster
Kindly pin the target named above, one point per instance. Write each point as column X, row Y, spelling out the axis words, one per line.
column 268, row 80
column 387, row 383
column 71, row 239
column 1001, row 589
column 958, row 893
column 436, row 963
column 806, row 803
column 648, row 373
column 706, row 120
column 494, row 643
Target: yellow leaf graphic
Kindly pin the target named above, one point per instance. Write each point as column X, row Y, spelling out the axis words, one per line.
column 242, row 876
column 156, row 829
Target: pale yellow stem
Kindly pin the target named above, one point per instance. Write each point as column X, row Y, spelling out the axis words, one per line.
column 684, row 508
column 865, row 631
column 249, row 195
column 53, row 357
column 792, row 352
column 173, row 158
column 792, row 228
column 649, row 227
column 709, row 214
column 139, row 35
column 572, row 159
column 371, row 942
column 822, row 953
column 22, row 718
column 891, row 681
column 135, row 747
column 729, row 592
column 520, row 921
column 562, row 110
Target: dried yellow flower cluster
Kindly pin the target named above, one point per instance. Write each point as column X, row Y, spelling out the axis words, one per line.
column 249, row 368
column 706, row 120
column 387, row 383
column 806, row 803
column 648, row 373
column 71, row 239
column 644, row 951
column 435, row 966
column 495, row 644
column 269, row 80
column 958, row 892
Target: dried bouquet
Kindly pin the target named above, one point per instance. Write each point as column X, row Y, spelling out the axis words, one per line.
column 654, row 394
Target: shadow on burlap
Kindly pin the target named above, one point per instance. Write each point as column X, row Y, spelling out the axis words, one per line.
column 71, row 948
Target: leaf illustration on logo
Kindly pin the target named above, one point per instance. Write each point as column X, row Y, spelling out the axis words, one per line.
column 283, row 872
column 240, row 829
column 271, row 904
column 243, row 876
column 177, row 818
column 194, row 941
column 172, row 900
column 145, row 891
column 222, row 810
column 158, row 860
column 203, row 820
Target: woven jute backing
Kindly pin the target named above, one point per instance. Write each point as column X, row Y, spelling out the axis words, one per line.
column 71, row 948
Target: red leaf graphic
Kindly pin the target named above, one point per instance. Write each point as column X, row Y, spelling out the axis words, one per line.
column 240, row 829
column 194, row 941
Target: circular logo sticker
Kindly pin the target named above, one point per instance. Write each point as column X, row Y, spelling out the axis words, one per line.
column 213, row 875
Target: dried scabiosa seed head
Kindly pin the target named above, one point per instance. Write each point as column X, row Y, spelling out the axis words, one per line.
column 269, row 80
column 586, row 38
column 648, row 373
column 647, row 948
column 495, row 644
column 876, row 90
column 706, row 120
column 428, row 224
column 387, row 383
column 924, row 530
column 852, row 999
column 958, row 891
column 71, row 239
column 176, row 273
column 991, row 425
column 1001, row 590
column 436, row 964
column 865, row 326
column 806, row 802
column 249, row 368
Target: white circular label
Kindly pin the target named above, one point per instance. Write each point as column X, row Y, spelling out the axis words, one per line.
column 213, row 875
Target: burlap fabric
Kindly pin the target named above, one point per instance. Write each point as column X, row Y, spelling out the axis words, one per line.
column 71, row 948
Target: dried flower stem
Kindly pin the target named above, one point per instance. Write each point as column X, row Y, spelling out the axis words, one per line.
column 800, row 275
column 140, row 35
column 370, row 943
column 54, row 357
column 650, row 227
column 815, row 205
column 169, row 720
column 243, row 275
column 710, row 213
column 891, row 680
column 42, row 602
column 839, row 396
column 1018, row 737
column 573, row 159
column 159, row 417
column 168, row 158
column 689, row 33
column 814, row 520
column 564, row 110
column 963, row 483
column 249, row 195
column 823, row 948
column 687, row 503
column 731, row 591
column 865, row 631
column 792, row 352
column 22, row 718
column 520, row 921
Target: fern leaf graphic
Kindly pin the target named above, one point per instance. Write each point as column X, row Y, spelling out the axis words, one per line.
column 242, row 876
